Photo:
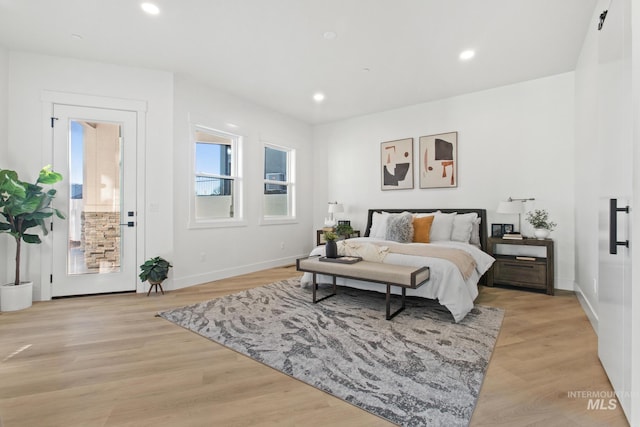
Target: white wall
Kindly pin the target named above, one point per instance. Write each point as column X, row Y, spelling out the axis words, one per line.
column 206, row 254
column 4, row 162
column 586, row 178
column 31, row 74
column 226, row 251
column 516, row 140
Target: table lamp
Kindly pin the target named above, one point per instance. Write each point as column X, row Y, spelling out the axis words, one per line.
column 334, row 208
column 513, row 206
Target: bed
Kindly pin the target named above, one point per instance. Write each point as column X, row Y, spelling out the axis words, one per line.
column 455, row 253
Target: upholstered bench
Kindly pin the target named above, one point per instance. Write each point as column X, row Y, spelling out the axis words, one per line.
column 402, row 276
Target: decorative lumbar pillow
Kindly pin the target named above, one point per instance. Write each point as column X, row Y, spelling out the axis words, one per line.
column 400, row 228
column 422, row 228
column 442, row 226
column 462, row 227
column 367, row 251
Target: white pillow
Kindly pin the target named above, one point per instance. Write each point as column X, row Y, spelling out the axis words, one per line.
column 462, row 227
column 378, row 228
column 422, row 215
column 442, row 226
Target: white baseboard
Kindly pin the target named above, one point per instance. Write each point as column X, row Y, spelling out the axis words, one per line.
column 184, row 282
column 587, row 307
column 565, row 284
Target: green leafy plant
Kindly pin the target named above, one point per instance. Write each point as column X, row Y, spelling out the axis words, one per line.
column 24, row 206
column 330, row 236
column 539, row 218
column 155, row 270
column 344, row 230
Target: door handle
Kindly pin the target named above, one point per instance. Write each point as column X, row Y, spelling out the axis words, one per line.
column 613, row 226
column 130, row 223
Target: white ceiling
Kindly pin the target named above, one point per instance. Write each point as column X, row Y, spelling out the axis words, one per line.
column 273, row 52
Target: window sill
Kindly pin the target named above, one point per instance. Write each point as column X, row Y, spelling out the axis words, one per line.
column 216, row 223
column 278, row 220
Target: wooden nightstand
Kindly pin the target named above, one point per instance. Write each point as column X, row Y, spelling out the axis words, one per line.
column 522, row 271
column 320, row 236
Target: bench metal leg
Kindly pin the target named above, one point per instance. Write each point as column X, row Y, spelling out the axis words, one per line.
column 315, row 288
column 389, row 314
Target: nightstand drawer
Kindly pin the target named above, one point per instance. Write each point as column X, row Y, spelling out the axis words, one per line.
column 520, row 269
column 517, row 272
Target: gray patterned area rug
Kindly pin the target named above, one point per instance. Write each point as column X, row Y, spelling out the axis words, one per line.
column 418, row 369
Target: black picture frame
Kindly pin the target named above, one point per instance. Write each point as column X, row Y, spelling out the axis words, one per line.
column 497, row 230
column 507, row 229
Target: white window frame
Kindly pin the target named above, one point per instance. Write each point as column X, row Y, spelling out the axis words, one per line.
column 236, row 176
column 290, row 183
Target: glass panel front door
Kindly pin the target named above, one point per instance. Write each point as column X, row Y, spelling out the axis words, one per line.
column 95, row 156
column 94, row 250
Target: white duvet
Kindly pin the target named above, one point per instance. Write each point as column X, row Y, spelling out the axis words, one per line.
column 446, row 283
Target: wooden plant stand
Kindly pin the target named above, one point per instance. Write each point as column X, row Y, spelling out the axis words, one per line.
column 155, row 285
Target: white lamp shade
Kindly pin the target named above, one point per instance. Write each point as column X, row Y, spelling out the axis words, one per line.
column 515, row 207
column 336, row 208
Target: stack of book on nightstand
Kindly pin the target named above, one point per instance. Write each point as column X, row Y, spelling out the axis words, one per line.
column 512, row 236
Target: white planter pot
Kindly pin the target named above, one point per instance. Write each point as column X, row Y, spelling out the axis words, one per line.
column 541, row 233
column 14, row 298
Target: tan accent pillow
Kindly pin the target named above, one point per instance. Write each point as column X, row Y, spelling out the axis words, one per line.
column 422, row 228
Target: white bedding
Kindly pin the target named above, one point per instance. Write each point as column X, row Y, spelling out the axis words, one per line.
column 446, row 283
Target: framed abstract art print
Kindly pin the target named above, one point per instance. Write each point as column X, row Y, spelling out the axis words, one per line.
column 439, row 160
column 396, row 164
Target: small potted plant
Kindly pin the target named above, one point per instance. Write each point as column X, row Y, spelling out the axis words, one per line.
column 331, row 248
column 24, row 206
column 155, row 270
column 542, row 226
column 344, row 230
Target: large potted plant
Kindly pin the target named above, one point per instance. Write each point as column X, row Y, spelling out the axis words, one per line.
column 24, row 206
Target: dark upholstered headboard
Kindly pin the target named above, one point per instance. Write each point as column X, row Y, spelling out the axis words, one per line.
column 482, row 214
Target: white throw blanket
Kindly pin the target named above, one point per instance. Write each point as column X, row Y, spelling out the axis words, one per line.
column 446, row 284
column 376, row 252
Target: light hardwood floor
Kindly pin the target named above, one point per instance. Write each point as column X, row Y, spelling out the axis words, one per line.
column 107, row 361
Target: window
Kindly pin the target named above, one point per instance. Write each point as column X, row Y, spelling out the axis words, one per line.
column 216, row 185
column 279, row 190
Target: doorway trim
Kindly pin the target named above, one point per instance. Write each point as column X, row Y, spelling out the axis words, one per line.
column 51, row 98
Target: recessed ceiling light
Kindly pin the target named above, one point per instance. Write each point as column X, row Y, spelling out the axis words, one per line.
column 232, row 125
column 76, row 36
column 465, row 55
column 330, row 35
column 150, row 8
column 318, row 97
